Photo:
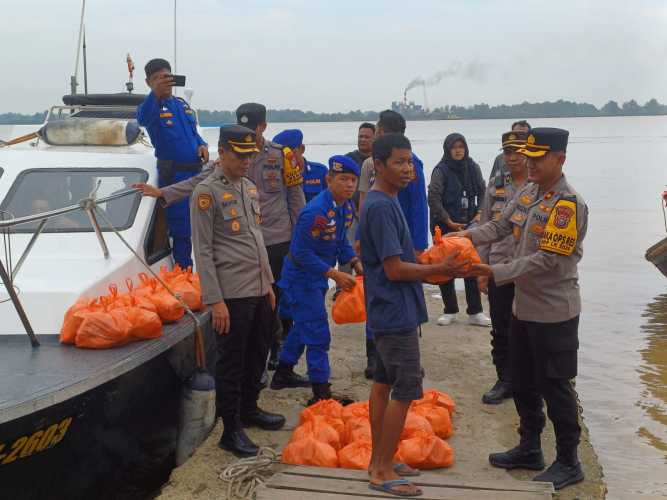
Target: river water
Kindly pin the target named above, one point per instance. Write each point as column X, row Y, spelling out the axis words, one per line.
column 619, row 166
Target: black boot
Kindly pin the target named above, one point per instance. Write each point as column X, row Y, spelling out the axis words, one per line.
column 370, row 359
column 235, row 440
column 561, row 474
column 528, row 455
column 320, row 392
column 500, row 391
column 262, row 419
column 285, row 377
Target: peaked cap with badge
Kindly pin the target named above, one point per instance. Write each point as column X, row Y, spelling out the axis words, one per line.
column 542, row 140
column 240, row 139
column 514, row 139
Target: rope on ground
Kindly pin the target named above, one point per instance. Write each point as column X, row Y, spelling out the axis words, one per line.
column 245, row 475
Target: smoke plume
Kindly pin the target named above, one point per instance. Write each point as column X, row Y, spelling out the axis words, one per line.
column 473, row 70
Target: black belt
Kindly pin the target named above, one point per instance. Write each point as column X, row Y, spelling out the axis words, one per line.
column 167, row 168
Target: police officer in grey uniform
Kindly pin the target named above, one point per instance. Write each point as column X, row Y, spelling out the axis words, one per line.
column 501, row 189
column 549, row 219
column 279, row 183
column 236, row 281
column 499, row 163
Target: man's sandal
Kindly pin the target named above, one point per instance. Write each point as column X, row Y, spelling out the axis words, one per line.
column 388, row 487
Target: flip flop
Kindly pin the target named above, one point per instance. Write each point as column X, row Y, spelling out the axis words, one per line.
column 388, row 487
column 405, row 470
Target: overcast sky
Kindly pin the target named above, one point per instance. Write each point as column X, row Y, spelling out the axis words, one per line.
column 338, row 55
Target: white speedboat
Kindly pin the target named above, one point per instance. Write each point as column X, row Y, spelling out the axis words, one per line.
column 79, row 423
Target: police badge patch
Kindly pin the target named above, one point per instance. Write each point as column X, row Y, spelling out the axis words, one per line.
column 560, row 233
column 204, row 201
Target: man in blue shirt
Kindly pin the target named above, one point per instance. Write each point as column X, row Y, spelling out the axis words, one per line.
column 314, row 174
column 395, row 307
column 179, row 149
column 318, row 243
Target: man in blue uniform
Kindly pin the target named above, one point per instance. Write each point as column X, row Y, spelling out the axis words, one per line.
column 180, row 150
column 319, row 241
column 314, row 174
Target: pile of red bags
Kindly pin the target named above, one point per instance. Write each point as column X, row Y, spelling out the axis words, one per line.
column 330, row 435
column 350, row 305
column 118, row 318
column 442, row 248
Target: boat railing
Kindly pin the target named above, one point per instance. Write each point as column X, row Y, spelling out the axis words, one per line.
column 90, row 206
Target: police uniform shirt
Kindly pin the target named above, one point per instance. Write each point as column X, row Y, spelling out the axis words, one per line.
column 228, row 246
column 549, row 232
column 314, row 179
column 172, row 127
column 499, row 193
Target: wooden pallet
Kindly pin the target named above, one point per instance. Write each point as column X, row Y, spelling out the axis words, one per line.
column 319, row 483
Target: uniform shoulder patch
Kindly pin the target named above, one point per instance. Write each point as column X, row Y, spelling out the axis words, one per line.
column 560, row 232
column 204, row 201
column 292, row 174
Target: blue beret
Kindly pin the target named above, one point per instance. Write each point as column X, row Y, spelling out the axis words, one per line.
column 292, row 138
column 342, row 164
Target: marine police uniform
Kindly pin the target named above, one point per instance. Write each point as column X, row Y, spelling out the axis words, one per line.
column 172, row 127
column 319, row 242
column 234, row 267
column 500, row 190
column 549, row 229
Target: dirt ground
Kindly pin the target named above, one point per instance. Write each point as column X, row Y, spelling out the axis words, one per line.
column 457, row 360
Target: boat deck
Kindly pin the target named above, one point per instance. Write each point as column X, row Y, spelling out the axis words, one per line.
column 308, row 483
column 35, row 378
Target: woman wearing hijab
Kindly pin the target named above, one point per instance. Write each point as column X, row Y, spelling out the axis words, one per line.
column 455, row 196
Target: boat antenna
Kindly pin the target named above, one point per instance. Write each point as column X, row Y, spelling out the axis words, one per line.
column 130, row 69
column 73, row 80
column 85, row 66
column 175, row 45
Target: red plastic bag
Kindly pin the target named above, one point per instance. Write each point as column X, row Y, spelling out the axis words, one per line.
column 356, row 455
column 102, row 330
column 318, row 428
column 432, row 396
column 356, row 429
column 310, row 451
column 442, row 248
column 425, row 451
column 72, row 321
column 350, row 306
column 437, row 416
column 168, row 307
column 359, row 409
column 328, row 407
column 415, row 424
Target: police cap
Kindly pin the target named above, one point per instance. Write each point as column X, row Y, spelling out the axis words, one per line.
column 514, row 139
column 251, row 114
column 292, row 138
column 542, row 140
column 343, row 165
column 240, row 139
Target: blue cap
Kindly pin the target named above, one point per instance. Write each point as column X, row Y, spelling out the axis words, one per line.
column 342, row 164
column 292, row 138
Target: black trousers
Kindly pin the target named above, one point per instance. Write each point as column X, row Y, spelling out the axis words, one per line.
column 473, row 298
column 500, row 307
column 242, row 357
column 544, row 360
column 277, row 254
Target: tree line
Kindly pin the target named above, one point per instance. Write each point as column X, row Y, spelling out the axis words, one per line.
column 557, row 109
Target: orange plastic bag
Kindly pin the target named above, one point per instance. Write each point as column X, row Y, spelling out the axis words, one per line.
column 102, row 330
column 437, row 416
column 183, row 286
column 168, row 308
column 357, row 428
column 328, row 407
column 442, row 248
column 318, row 428
column 432, row 396
column 415, row 424
column 425, row 451
column 356, row 455
column 310, row 451
column 145, row 324
column 350, row 306
column 138, row 300
column 72, row 321
column 359, row 409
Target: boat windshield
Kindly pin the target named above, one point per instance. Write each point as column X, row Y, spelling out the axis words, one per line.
column 41, row 190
